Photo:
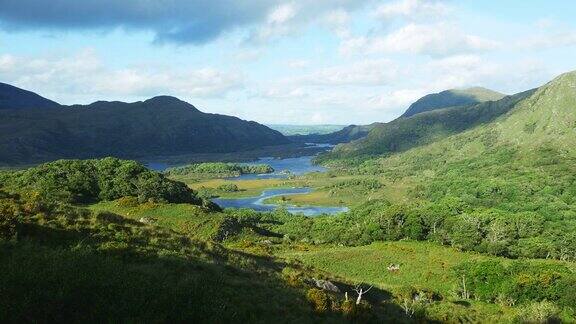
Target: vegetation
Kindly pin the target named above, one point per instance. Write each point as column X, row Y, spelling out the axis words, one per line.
column 85, row 181
column 161, row 126
column 345, row 135
column 469, row 217
column 404, row 133
column 452, row 98
column 217, row 170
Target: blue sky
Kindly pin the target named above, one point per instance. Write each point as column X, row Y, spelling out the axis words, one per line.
column 274, row 61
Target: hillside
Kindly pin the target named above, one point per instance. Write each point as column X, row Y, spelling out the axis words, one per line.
column 529, row 121
column 452, row 98
column 404, row 133
column 15, row 98
column 161, row 126
column 345, row 135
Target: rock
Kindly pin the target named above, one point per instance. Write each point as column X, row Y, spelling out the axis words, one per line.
column 326, row 285
column 147, row 220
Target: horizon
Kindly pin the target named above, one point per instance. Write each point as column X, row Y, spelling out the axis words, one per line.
column 284, row 62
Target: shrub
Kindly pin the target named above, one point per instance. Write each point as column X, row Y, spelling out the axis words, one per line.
column 86, row 181
column 7, row 227
column 359, row 312
column 127, row 201
column 319, row 300
column 543, row 312
column 228, row 187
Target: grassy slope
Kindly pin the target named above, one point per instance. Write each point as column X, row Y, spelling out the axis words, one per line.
column 424, row 128
column 452, row 98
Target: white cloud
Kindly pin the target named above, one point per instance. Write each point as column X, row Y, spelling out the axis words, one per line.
column 412, row 9
column 548, row 40
column 440, row 39
column 375, row 72
column 298, row 64
column 282, row 14
column 86, row 78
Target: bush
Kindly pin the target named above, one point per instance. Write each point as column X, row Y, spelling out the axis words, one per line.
column 543, row 312
column 319, row 300
column 518, row 282
column 228, row 187
column 127, row 201
column 359, row 312
column 87, row 181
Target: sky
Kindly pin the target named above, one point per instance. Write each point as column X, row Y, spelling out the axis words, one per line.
column 283, row 62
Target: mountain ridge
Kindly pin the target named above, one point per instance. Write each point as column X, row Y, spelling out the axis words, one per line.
column 452, row 98
column 131, row 130
column 12, row 97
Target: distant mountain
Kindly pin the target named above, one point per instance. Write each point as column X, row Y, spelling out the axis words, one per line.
column 345, row 135
column 452, row 98
column 289, row 130
column 161, row 126
column 15, row 98
column 426, row 127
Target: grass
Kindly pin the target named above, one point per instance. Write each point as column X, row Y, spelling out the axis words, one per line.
column 183, row 218
column 421, row 264
column 316, row 198
column 248, row 188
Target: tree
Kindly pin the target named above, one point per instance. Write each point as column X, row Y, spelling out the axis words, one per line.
column 360, row 291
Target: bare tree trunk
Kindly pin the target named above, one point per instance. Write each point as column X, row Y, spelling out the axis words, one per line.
column 464, row 291
column 360, row 291
column 359, row 297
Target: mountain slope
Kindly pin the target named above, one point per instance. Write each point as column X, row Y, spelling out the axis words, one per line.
column 404, row 133
column 534, row 138
column 15, row 98
column 161, row 126
column 452, row 98
column 345, row 135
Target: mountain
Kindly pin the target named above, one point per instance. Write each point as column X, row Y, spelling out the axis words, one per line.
column 161, row 126
column 444, row 99
column 289, row 130
column 345, row 135
column 426, row 127
column 452, row 98
column 15, row 98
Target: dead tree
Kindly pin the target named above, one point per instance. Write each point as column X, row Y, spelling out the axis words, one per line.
column 465, row 293
column 360, row 291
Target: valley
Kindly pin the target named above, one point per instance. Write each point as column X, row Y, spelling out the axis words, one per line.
column 454, row 214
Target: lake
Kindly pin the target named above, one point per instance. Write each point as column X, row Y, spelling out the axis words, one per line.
column 257, row 203
column 283, row 167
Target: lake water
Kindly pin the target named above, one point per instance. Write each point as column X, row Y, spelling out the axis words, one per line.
column 257, row 203
column 283, row 167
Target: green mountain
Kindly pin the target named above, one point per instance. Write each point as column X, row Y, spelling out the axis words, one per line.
column 161, row 126
column 404, row 133
column 15, row 98
column 345, row 135
column 452, row 98
column 505, row 187
column 445, row 99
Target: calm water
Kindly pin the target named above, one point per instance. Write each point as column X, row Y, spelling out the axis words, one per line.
column 157, row 166
column 257, row 203
column 283, row 167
